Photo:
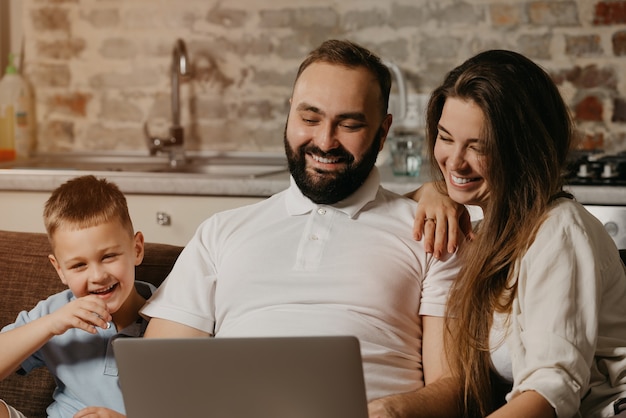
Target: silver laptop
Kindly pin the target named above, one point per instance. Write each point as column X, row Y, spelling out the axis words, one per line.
column 278, row 377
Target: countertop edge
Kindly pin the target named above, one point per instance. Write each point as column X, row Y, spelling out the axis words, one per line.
column 198, row 185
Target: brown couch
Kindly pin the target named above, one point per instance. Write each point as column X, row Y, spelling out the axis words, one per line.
column 26, row 276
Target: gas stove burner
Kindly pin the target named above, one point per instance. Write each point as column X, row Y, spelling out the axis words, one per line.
column 596, row 168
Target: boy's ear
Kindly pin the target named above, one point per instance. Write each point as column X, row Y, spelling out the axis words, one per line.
column 56, row 266
column 139, row 247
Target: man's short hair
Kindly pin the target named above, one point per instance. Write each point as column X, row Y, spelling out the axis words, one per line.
column 351, row 55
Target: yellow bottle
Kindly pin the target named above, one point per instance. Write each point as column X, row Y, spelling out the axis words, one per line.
column 7, row 132
column 16, row 115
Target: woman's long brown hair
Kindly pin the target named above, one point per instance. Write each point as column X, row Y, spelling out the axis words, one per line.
column 527, row 134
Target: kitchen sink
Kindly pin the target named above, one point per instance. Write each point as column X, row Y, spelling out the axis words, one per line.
column 223, row 165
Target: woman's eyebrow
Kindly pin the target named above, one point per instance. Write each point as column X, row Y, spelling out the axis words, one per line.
column 441, row 128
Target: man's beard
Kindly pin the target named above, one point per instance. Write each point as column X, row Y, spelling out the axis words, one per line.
column 328, row 187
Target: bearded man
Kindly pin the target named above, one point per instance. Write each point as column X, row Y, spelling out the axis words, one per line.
column 333, row 254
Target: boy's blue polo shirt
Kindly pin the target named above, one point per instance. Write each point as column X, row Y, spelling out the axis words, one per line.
column 82, row 364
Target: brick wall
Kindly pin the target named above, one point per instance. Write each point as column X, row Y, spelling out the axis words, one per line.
column 100, row 69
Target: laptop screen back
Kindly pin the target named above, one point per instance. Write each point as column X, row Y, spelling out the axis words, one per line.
column 275, row 377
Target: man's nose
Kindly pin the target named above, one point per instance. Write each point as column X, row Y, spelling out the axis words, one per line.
column 326, row 137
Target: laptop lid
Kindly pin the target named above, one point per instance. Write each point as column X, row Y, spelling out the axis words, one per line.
column 276, row 377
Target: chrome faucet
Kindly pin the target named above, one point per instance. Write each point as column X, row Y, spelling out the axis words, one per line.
column 174, row 145
column 399, row 119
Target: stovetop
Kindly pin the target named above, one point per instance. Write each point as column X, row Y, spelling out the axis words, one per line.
column 595, row 168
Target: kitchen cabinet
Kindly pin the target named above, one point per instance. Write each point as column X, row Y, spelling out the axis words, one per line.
column 22, row 211
column 174, row 219
column 170, row 219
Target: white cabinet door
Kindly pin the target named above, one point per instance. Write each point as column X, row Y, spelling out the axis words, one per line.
column 174, row 219
column 22, row 211
column 169, row 219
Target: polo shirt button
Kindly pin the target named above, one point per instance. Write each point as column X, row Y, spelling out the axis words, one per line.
column 314, row 237
column 321, row 211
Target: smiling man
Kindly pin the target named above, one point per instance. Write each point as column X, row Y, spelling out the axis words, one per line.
column 333, row 254
column 335, row 129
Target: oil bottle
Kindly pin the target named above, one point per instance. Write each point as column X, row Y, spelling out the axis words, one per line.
column 16, row 115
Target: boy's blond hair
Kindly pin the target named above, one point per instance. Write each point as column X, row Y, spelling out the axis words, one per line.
column 84, row 202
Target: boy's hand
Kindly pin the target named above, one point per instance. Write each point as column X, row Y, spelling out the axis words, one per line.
column 85, row 313
column 18, row 343
column 98, row 412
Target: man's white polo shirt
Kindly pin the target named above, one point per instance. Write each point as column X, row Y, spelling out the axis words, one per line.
column 287, row 266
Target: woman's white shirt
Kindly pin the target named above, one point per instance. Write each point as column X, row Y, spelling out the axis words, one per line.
column 567, row 330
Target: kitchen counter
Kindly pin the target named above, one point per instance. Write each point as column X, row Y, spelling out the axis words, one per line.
column 168, row 206
column 599, row 195
column 179, row 183
column 199, row 185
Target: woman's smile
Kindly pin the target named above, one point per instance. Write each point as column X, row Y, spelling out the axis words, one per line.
column 458, row 151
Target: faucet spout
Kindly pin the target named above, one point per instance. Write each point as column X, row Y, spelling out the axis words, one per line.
column 180, row 68
column 174, row 144
column 402, row 93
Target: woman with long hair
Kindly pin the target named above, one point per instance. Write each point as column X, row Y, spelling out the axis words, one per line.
column 539, row 303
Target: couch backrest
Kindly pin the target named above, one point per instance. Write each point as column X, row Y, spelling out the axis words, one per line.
column 26, row 277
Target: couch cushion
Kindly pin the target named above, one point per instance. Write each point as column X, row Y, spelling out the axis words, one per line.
column 26, row 277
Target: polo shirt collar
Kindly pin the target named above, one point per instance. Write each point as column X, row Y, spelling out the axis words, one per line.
column 299, row 204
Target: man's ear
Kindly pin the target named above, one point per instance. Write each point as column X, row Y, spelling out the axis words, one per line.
column 385, row 127
column 139, row 247
column 57, row 267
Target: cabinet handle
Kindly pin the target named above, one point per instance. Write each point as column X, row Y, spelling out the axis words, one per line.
column 163, row 219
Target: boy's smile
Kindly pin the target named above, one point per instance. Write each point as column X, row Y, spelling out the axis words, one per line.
column 98, row 260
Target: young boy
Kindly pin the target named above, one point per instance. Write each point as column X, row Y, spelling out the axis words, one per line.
column 94, row 251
